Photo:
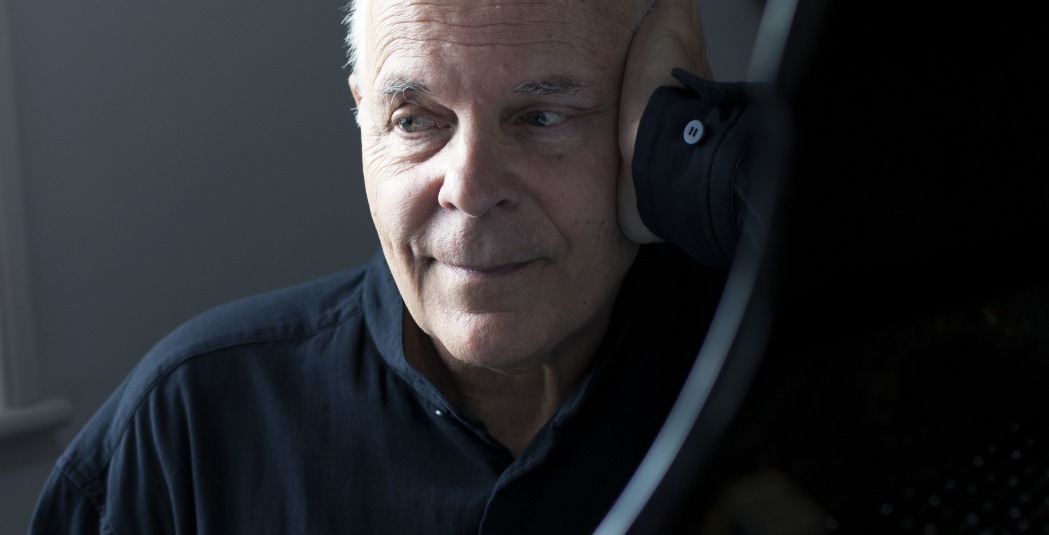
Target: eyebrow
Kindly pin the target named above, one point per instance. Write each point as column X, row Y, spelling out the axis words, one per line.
column 554, row 85
column 399, row 86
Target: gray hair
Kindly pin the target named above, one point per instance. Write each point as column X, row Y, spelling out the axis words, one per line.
column 355, row 35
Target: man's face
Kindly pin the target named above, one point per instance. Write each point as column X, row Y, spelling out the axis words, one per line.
column 489, row 136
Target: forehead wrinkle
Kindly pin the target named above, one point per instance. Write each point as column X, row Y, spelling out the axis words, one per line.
column 511, row 23
column 475, row 35
column 423, row 29
column 410, row 47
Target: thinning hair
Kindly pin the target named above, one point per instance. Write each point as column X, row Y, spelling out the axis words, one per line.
column 354, row 41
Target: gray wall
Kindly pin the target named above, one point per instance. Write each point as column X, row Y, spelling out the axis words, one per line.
column 178, row 155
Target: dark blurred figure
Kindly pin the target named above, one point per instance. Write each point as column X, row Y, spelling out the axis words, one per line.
column 903, row 389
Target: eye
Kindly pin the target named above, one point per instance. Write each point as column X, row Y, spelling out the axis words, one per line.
column 544, row 118
column 415, row 123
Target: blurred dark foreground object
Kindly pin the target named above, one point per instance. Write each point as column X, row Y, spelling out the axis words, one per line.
column 903, row 388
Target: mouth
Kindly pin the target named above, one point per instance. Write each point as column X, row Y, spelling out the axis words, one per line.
column 487, row 270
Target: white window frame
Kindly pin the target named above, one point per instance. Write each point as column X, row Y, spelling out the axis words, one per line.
column 22, row 409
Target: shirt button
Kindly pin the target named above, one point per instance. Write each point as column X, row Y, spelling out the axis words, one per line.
column 693, row 132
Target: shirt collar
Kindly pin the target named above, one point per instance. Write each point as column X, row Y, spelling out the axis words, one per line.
column 384, row 316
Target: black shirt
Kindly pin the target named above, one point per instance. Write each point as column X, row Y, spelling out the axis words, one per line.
column 296, row 411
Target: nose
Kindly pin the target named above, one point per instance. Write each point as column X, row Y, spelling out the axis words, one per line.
column 477, row 175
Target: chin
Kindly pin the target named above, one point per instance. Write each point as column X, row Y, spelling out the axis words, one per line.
column 497, row 343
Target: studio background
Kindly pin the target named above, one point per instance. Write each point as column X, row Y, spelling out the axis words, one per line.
column 175, row 156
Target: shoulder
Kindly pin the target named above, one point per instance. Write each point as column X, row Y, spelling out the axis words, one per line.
column 287, row 318
column 216, row 346
column 290, row 312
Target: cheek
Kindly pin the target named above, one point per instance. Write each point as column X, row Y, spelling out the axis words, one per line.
column 582, row 187
column 585, row 212
column 397, row 200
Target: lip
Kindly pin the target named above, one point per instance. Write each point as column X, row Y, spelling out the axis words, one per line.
column 494, row 270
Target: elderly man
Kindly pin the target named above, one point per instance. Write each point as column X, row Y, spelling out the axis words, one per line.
column 504, row 364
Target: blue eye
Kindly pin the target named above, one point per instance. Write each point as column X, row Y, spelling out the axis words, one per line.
column 414, row 123
column 544, row 118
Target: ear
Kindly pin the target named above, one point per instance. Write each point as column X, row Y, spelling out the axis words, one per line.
column 355, row 88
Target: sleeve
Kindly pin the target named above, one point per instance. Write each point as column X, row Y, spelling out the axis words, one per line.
column 691, row 165
column 125, row 471
column 64, row 508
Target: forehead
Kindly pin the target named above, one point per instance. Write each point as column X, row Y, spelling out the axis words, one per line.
column 594, row 31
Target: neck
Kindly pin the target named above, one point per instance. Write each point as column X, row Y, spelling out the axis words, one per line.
column 514, row 405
